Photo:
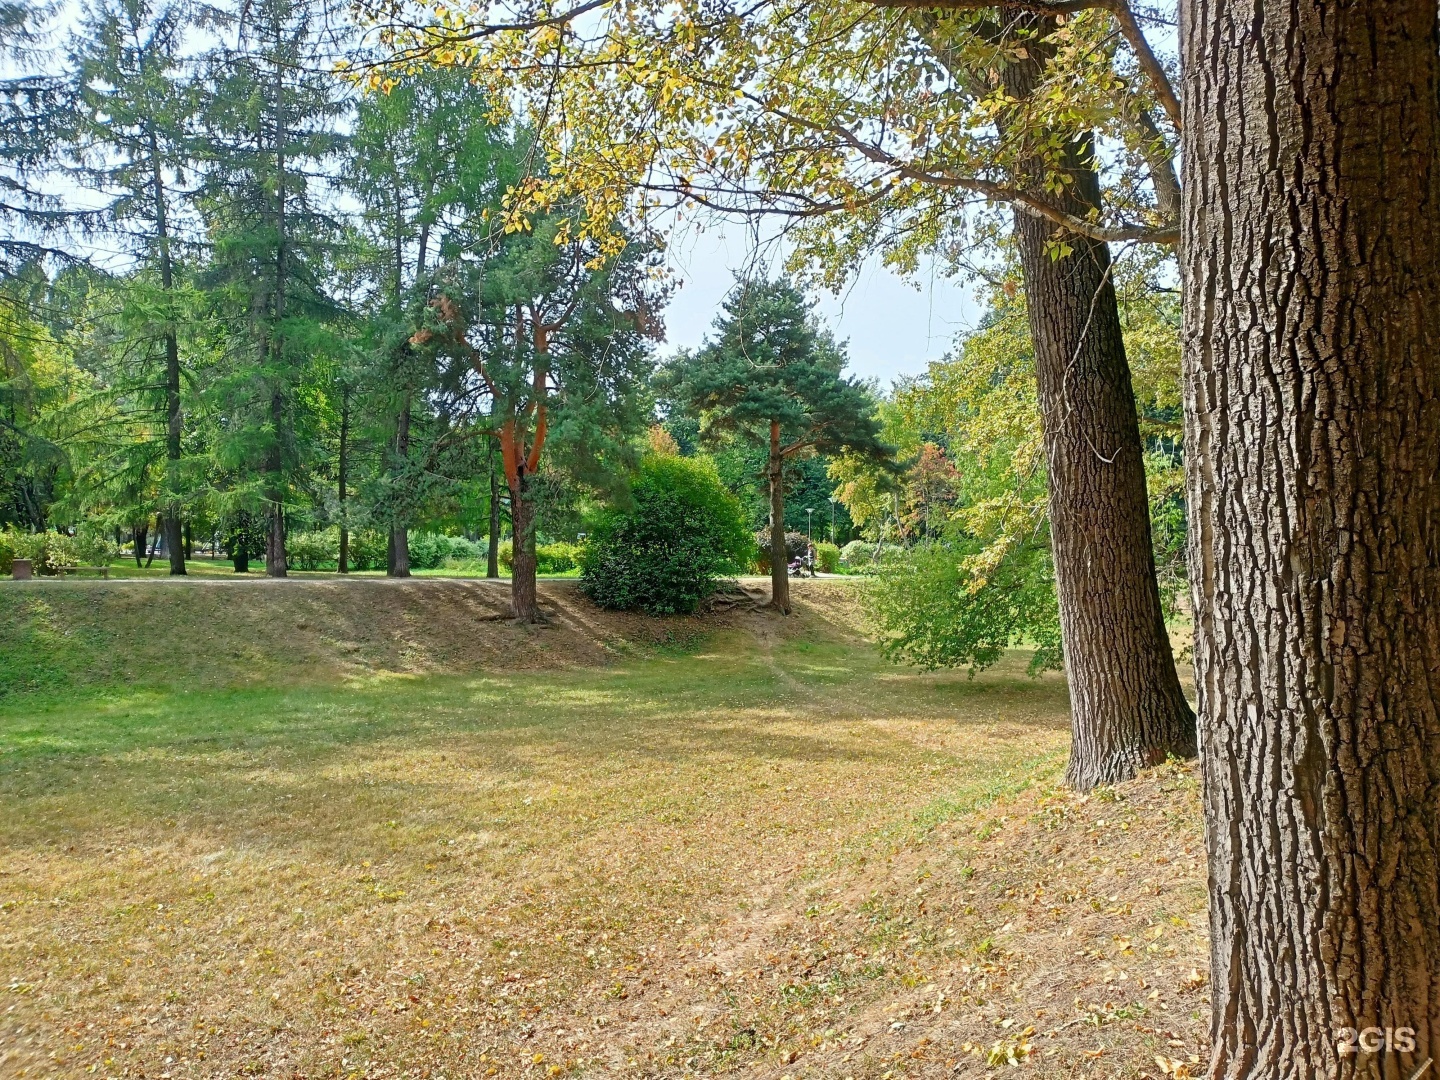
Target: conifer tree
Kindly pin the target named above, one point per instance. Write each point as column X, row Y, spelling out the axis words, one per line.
column 130, row 142
column 771, row 376
column 272, row 129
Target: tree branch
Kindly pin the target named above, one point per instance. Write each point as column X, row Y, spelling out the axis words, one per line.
column 1031, row 204
column 1129, row 28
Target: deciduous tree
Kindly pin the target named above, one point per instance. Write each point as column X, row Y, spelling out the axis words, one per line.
column 1312, row 399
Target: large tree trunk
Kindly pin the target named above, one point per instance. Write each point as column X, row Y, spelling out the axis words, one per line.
column 397, row 552
column 173, row 526
column 1127, row 708
column 522, row 574
column 275, row 564
column 1312, row 399
column 174, row 421
column 779, row 557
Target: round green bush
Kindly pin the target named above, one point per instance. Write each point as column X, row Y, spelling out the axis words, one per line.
column 827, row 558
column 857, row 555
column 313, row 550
column 367, row 549
column 666, row 554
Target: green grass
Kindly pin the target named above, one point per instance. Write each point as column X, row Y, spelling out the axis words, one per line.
column 272, row 862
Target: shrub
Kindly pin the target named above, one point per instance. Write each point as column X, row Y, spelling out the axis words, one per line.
column 11, row 540
column 313, row 550
column 857, row 554
column 95, row 548
column 795, row 545
column 460, row 549
column 827, row 558
column 428, row 550
column 47, row 551
column 934, row 610
column 667, row 553
column 505, row 555
column 557, row 558
column 367, row 550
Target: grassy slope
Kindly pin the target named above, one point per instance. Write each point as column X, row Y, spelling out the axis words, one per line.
column 269, row 829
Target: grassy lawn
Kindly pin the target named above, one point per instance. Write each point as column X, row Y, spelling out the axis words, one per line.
column 709, row 854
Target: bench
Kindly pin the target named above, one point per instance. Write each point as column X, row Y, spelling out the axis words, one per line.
column 103, row 571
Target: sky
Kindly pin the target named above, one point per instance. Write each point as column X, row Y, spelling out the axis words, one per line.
column 893, row 326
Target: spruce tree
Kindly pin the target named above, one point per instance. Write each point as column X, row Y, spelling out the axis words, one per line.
column 273, row 127
column 130, row 143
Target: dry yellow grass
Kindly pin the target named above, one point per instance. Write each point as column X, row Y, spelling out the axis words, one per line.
column 754, row 851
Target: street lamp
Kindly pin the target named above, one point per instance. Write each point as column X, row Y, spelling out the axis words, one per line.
column 832, row 519
column 809, row 544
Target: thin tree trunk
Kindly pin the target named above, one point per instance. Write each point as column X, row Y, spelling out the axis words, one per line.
column 523, row 596
column 138, row 534
column 343, row 480
column 779, row 557
column 174, row 420
column 399, row 544
column 492, row 549
column 154, row 543
column 1311, row 259
column 1127, row 708
column 275, row 562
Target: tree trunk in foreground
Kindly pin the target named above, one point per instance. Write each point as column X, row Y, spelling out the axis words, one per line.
column 522, row 572
column 275, row 564
column 779, row 556
column 1127, row 708
column 1312, row 397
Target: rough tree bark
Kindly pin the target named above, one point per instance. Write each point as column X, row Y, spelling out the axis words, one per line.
column 397, row 563
column 1311, row 259
column 523, row 597
column 1127, row 708
column 779, row 557
column 275, row 564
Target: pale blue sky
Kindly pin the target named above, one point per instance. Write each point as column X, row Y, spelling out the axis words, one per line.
column 894, row 327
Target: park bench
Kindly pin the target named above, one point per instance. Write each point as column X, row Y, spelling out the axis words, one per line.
column 103, row 571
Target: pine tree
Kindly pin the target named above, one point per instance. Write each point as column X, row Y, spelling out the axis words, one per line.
column 770, row 376
column 551, row 358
